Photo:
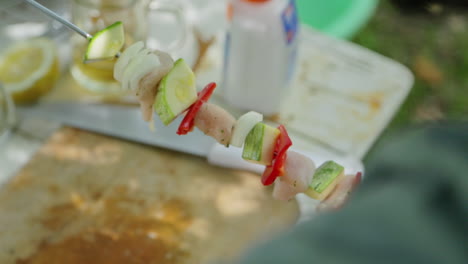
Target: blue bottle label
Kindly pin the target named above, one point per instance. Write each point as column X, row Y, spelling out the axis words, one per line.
column 290, row 21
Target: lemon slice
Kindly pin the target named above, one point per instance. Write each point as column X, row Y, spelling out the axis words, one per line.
column 29, row 69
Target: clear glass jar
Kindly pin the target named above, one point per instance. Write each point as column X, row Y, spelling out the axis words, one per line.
column 94, row 15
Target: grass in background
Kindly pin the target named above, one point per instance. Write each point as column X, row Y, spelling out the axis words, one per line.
column 434, row 46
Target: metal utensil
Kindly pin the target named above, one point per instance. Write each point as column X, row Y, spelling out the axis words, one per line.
column 60, row 19
column 63, row 21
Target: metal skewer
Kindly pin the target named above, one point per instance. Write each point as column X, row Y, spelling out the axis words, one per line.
column 65, row 22
column 60, row 19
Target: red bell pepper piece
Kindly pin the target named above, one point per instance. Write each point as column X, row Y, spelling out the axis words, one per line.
column 188, row 122
column 276, row 169
column 358, row 178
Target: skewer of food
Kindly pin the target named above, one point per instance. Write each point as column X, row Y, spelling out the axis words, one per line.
column 168, row 88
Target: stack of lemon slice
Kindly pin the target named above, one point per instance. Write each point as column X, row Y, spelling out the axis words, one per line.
column 29, row 69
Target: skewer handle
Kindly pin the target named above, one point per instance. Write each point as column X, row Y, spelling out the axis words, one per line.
column 60, row 19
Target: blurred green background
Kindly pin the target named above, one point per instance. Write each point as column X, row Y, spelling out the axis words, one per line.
column 433, row 43
column 338, row 18
column 430, row 39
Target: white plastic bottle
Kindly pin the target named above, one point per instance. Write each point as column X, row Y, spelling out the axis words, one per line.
column 260, row 53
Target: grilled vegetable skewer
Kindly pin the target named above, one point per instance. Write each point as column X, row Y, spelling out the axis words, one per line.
column 169, row 89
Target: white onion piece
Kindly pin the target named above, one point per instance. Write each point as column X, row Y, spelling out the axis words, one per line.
column 148, row 64
column 132, row 67
column 243, row 126
column 125, row 58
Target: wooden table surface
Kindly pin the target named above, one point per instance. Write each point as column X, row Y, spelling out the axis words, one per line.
column 88, row 198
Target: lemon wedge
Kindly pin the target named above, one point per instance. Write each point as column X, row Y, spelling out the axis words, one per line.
column 29, row 69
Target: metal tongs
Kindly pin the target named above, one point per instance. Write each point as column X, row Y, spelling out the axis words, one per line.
column 62, row 20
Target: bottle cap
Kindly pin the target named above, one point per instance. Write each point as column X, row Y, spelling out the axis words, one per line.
column 256, row 1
